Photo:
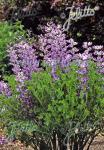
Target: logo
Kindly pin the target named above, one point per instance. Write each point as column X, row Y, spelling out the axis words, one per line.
column 76, row 14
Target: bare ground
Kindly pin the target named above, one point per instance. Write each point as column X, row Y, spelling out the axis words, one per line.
column 98, row 144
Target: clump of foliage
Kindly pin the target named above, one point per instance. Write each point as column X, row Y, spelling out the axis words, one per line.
column 60, row 116
column 9, row 33
column 61, row 105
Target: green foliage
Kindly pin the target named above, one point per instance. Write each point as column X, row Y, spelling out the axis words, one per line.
column 60, row 98
column 57, row 108
column 11, row 115
column 9, row 33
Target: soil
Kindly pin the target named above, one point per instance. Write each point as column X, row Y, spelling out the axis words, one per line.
column 98, row 144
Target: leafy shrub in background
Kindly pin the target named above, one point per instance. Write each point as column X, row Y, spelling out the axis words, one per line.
column 14, row 2
column 86, row 29
column 9, row 33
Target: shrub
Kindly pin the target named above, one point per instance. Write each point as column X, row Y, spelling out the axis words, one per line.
column 62, row 112
column 60, row 116
column 73, row 119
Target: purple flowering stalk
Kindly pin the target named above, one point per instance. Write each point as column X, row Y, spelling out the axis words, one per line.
column 58, row 51
column 99, row 59
column 82, row 62
column 4, row 89
column 97, row 55
column 3, row 140
column 24, row 97
column 91, row 52
column 24, row 61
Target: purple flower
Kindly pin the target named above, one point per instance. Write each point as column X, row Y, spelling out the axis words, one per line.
column 82, row 62
column 83, row 80
column 99, row 61
column 82, row 71
column 98, row 47
column 86, row 45
column 3, row 140
column 23, row 59
column 4, row 89
column 58, row 51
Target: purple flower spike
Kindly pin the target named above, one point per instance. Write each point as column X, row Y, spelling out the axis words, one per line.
column 4, row 89
column 23, row 59
column 3, row 140
column 57, row 49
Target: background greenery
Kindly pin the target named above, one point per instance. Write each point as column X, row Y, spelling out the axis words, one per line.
column 9, row 34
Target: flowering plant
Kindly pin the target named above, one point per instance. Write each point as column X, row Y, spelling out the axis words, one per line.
column 60, row 105
column 61, row 110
